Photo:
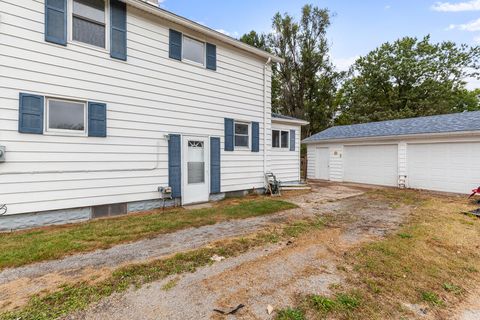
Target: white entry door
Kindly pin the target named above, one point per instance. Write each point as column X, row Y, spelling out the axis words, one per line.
column 196, row 169
column 322, row 164
column 372, row 164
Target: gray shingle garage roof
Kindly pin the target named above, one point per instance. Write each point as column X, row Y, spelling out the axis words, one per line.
column 455, row 122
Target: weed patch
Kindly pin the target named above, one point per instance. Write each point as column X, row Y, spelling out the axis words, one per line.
column 290, row 314
column 432, row 298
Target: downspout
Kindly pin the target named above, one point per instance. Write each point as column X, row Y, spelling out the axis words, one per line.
column 265, row 114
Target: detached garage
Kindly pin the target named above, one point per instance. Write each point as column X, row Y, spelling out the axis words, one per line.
column 438, row 153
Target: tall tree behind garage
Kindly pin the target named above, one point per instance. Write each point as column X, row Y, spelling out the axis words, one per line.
column 305, row 85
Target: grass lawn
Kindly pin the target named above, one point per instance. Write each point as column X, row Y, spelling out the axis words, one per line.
column 75, row 297
column 24, row 247
column 432, row 261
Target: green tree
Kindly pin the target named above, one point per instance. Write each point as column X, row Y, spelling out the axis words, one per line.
column 409, row 78
column 305, row 85
column 256, row 40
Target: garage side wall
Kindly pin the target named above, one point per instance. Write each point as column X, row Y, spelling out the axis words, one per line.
column 311, row 161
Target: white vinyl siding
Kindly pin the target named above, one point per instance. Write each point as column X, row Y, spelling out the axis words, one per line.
column 285, row 164
column 311, row 161
column 148, row 97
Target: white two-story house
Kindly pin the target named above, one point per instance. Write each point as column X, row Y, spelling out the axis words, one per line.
column 104, row 102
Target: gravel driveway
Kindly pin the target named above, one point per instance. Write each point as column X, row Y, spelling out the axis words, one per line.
column 17, row 284
column 272, row 275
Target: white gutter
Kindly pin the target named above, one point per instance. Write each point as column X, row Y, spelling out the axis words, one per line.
column 164, row 14
column 290, row 121
column 461, row 134
column 265, row 68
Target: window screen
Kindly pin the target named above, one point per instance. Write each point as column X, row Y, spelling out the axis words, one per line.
column 284, row 139
column 66, row 115
column 193, row 50
column 241, row 135
column 275, row 139
column 89, row 22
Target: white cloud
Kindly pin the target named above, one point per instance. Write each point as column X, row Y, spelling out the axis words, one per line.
column 473, row 5
column 470, row 26
column 223, row 31
column 388, row 7
column 343, row 64
column 472, row 83
column 230, row 34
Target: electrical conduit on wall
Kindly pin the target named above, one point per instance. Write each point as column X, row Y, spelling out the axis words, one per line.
column 155, row 167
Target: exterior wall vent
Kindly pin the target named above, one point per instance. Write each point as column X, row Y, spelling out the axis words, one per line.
column 109, row 210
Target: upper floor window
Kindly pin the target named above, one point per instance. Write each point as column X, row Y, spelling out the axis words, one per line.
column 241, row 134
column 193, row 50
column 66, row 116
column 89, row 22
column 280, row 139
column 182, row 47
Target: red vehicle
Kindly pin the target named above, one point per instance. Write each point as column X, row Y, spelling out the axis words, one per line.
column 475, row 192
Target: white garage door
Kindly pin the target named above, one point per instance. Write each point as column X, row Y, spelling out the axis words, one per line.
column 371, row 164
column 450, row 167
column 322, row 163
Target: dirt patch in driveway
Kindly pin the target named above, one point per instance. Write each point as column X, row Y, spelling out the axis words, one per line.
column 274, row 275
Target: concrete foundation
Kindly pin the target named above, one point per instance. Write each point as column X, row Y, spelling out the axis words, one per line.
column 38, row 219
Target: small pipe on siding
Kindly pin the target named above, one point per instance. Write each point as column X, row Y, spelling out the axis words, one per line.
column 265, row 115
column 155, row 167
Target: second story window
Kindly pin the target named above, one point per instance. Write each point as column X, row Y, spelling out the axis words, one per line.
column 193, row 50
column 89, row 22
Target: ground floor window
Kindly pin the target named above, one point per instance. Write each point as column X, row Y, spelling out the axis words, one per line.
column 66, row 116
column 280, row 139
column 241, row 134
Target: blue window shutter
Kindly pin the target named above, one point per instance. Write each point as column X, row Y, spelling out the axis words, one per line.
column 56, row 21
column 229, row 135
column 211, row 56
column 215, row 180
column 118, row 30
column 175, row 165
column 255, row 137
column 30, row 113
column 175, row 46
column 292, row 140
column 97, row 119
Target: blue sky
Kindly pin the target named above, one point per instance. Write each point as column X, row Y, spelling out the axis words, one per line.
column 357, row 27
